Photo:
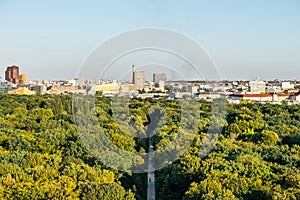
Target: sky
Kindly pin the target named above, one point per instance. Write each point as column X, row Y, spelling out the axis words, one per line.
column 244, row 38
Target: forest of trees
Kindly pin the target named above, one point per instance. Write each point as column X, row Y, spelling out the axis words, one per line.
column 257, row 155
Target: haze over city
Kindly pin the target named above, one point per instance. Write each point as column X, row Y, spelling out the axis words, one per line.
column 50, row 40
column 156, row 100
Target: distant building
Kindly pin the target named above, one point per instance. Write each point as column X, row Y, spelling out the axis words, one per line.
column 159, row 77
column 179, row 95
column 208, row 95
column 21, row 91
column 257, row 87
column 153, row 95
column 106, row 87
column 296, row 97
column 265, row 98
column 286, row 85
column 12, row 74
column 23, row 79
column 63, row 88
column 109, row 89
column 193, row 89
column 40, row 89
column 5, row 86
column 161, row 85
column 138, row 78
column 126, row 88
column 73, row 81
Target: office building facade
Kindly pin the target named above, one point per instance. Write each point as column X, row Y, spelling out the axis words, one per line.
column 159, row 77
column 138, row 79
column 12, row 74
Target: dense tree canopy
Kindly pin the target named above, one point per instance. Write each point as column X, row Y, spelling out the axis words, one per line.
column 257, row 155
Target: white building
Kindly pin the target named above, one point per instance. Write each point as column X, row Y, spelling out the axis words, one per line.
column 265, row 98
column 193, row 89
column 208, row 95
column 161, row 85
column 287, row 85
column 257, row 87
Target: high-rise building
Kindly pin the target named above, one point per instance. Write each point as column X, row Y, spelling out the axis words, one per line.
column 159, row 77
column 23, row 79
column 12, row 74
column 138, row 78
column 133, row 74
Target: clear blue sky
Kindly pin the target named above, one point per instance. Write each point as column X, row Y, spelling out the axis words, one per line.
column 245, row 38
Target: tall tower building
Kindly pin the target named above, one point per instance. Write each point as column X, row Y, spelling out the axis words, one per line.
column 133, row 74
column 138, row 78
column 12, row 74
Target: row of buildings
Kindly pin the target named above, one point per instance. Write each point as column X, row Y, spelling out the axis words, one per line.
column 257, row 90
column 139, row 79
column 16, row 83
column 265, row 98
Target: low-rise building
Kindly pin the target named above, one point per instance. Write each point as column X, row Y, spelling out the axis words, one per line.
column 40, row 89
column 21, row 91
column 257, row 87
column 286, row 85
column 193, row 89
column 208, row 95
column 265, row 98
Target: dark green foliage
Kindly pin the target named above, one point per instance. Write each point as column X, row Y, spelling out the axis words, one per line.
column 256, row 157
column 42, row 156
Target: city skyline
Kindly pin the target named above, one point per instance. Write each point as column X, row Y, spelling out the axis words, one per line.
column 148, row 73
column 50, row 40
